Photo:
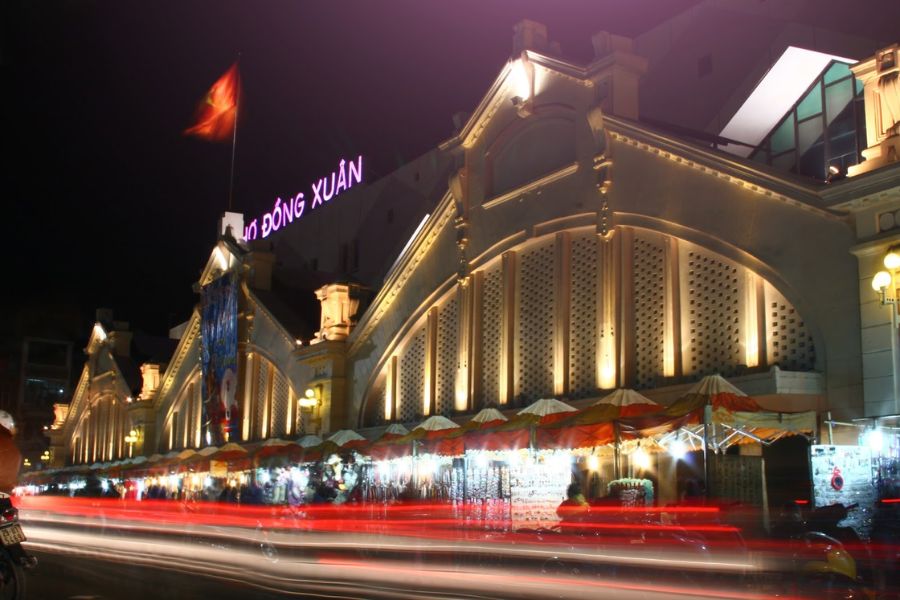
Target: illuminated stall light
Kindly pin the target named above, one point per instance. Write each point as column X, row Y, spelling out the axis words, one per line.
column 678, row 450
column 641, row 459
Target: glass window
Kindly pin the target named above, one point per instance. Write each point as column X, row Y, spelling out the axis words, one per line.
column 812, row 162
column 809, row 132
column 837, row 97
column 784, row 161
column 811, row 105
column 783, row 136
column 837, row 71
column 842, row 134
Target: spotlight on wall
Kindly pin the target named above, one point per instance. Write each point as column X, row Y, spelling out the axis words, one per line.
column 835, row 173
column 523, row 106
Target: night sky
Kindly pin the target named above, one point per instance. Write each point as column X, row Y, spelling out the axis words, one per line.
column 107, row 204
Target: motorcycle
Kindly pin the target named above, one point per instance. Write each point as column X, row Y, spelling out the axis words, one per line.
column 822, row 564
column 14, row 560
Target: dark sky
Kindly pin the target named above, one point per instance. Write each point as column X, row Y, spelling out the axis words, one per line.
column 107, row 204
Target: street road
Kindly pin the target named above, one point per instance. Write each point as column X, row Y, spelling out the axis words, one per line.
column 81, row 561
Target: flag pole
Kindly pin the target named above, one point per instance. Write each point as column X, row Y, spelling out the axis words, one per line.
column 237, row 111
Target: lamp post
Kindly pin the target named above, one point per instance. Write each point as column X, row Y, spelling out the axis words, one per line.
column 880, row 283
column 310, row 402
column 131, row 439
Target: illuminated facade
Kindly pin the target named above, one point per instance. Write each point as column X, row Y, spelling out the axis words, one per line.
column 560, row 248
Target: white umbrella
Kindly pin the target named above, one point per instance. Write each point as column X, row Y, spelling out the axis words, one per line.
column 308, row 441
column 436, row 423
column 712, row 385
column 395, row 429
column 274, row 442
column 345, row 436
column 208, row 451
column 623, row 397
column 546, row 406
column 486, row 415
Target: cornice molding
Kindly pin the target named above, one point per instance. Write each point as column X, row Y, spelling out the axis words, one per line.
column 402, row 271
column 531, row 186
column 721, row 166
column 866, row 191
column 191, row 333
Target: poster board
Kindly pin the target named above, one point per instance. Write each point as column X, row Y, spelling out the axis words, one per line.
column 843, row 475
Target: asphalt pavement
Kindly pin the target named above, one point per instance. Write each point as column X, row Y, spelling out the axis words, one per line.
column 62, row 577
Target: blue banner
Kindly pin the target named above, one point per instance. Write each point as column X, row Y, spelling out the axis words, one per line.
column 218, row 356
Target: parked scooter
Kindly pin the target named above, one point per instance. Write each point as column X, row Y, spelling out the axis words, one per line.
column 13, row 558
column 823, row 564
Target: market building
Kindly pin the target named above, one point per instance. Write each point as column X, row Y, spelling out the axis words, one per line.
column 558, row 248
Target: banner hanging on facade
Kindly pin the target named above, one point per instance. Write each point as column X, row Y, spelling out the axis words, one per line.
column 218, row 356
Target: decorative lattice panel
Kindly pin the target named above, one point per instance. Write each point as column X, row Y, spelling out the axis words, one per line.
column 411, row 377
column 789, row 344
column 649, row 309
column 447, row 355
column 583, row 327
column 492, row 304
column 262, row 388
column 712, row 314
column 377, row 417
column 534, row 331
column 199, row 431
column 280, row 405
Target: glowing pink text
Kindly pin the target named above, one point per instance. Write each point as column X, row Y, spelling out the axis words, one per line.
column 284, row 212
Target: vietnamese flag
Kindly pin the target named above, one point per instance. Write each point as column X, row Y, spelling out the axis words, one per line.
column 217, row 112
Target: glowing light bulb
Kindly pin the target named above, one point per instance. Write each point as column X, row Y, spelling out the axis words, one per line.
column 677, row 450
column 881, row 280
column 641, row 459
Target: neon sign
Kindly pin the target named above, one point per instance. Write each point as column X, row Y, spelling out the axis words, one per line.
column 284, row 213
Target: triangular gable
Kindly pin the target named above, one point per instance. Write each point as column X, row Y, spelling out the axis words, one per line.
column 519, row 80
column 225, row 256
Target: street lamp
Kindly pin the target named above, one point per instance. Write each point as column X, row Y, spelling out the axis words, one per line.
column 310, row 399
column 309, row 403
column 131, row 439
column 45, row 457
column 883, row 279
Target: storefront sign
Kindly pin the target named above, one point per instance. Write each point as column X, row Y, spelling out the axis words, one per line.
column 284, row 212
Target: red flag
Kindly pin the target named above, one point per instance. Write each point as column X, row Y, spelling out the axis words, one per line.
column 218, row 110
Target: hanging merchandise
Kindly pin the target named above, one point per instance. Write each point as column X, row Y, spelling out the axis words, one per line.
column 537, row 486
